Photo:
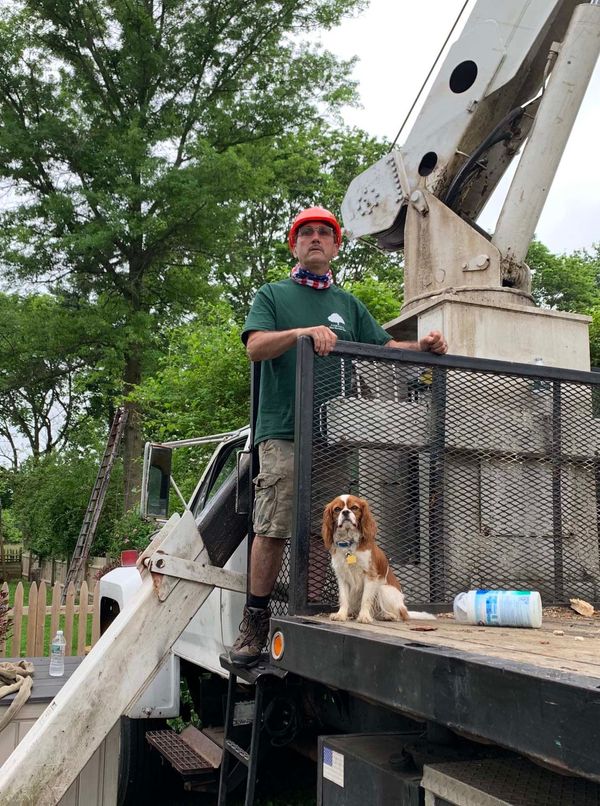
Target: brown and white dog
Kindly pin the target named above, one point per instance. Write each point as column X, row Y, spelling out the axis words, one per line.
column 367, row 586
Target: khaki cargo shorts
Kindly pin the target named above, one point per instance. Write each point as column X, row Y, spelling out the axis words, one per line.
column 273, row 489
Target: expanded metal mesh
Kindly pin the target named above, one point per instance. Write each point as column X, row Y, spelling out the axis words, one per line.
column 477, row 479
column 181, row 756
column 280, row 598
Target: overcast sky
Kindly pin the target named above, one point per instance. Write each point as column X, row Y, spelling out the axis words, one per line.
column 397, row 41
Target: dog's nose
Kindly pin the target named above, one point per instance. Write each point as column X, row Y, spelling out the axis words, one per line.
column 345, row 514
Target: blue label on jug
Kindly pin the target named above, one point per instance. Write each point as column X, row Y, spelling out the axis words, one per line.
column 495, row 608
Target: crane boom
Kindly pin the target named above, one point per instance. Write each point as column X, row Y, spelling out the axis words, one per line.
column 476, row 116
column 515, row 78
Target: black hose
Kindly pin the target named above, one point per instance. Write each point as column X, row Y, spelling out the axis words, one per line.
column 497, row 135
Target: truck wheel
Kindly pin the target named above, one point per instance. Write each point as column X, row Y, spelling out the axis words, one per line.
column 142, row 773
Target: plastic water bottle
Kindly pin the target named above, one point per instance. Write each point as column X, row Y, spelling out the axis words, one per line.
column 57, row 655
column 499, row 608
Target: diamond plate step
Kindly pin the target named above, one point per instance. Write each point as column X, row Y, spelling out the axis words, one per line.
column 504, row 782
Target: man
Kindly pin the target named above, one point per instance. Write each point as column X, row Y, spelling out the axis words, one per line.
column 307, row 303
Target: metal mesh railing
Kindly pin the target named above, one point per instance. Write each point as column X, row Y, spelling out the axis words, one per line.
column 480, row 474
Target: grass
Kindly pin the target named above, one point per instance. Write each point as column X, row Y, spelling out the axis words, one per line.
column 10, row 650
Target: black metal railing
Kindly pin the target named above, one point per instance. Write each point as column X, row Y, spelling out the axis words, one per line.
column 481, row 474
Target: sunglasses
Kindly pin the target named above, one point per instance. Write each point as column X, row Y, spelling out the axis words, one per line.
column 322, row 231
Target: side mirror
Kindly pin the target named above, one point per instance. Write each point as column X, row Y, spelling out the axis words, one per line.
column 156, row 481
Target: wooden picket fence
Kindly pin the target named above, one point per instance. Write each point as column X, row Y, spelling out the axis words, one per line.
column 39, row 626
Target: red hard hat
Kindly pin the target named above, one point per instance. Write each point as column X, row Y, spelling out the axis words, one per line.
column 314, row 214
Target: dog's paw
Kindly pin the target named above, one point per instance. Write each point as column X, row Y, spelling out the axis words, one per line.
column 339, row 616
column 364, row 618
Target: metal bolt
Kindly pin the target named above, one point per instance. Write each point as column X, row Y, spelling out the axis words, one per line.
column 482, row 261
column 418, row 201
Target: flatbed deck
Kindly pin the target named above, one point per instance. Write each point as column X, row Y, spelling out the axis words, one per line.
column 566, row 641
column 534, row 691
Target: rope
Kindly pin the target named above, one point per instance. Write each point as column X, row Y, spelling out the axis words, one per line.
column 433, row 66
column 15, row 677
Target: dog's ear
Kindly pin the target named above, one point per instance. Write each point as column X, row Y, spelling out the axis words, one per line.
column 368, row 526
column 327, row 526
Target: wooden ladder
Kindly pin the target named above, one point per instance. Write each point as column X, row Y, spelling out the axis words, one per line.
column 96, row 502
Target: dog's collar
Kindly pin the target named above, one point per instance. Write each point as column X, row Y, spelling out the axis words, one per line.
column 344, row 544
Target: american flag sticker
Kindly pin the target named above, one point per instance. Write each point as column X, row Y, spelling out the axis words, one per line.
column 333, row 766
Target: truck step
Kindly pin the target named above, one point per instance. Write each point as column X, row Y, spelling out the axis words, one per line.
column 239, row 752
column 191, row 753
column 217, row 734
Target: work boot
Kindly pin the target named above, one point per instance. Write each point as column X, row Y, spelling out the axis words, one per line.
column 254, row 631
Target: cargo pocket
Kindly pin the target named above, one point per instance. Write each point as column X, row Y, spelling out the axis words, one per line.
column 265, row 501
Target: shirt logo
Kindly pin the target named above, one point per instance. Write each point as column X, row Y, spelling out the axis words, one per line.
column 337, row 323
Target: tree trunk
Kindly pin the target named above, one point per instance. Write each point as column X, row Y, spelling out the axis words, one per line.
column 132, row 452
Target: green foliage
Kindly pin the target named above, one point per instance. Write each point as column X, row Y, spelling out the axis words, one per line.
column 130, row 531
column 51, row 495
column 202, row 384
column 569, row 283
column 201, row 388
column 122, row 129
column 595, row 336
column 380, row 298
column 121, row 126
column 285, row 174
column 565, row 282
column 10, row 531
column 45, row 345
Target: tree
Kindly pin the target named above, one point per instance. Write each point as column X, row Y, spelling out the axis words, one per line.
column 595, row 337
column 569, row 282
column 121, row 121
column 201, row 387
column 565, row 282
column 380, row 297
column 289, row 172
column 50, row 497
column 44, row 349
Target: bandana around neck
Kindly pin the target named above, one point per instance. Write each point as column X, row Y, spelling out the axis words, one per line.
column 305, row 277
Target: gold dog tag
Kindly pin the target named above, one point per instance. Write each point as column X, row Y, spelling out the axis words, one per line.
column 350, row 559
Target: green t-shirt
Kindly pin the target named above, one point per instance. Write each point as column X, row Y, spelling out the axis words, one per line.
column 284, row 306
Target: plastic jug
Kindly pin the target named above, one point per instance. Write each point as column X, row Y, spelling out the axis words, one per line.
column 499, row 608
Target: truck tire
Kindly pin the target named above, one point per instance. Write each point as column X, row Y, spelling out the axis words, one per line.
column 142, row 776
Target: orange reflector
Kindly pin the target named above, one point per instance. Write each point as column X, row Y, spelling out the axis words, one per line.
column 277, row 645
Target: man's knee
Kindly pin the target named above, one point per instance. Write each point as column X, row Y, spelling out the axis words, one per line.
column 273, row 499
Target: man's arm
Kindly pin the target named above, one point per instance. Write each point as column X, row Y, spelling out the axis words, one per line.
column 265, row 344
column 433, row 342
